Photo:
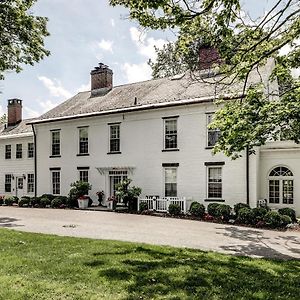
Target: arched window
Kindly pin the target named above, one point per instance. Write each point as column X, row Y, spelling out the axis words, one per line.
column 281, row 186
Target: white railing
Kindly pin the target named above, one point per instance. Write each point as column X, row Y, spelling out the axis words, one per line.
column 162, row 204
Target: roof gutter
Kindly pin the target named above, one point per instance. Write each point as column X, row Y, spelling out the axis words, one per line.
column 136, row 108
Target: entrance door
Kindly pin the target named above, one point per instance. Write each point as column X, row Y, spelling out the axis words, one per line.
column 20, row 187
column 115, row 177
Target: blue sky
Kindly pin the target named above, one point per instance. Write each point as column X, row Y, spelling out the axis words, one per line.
column 83, row 33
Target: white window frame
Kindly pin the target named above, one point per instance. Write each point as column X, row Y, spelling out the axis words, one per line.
column 52, row 183
column 207, row 181
column 51, row 142
column 281, row 179
column 109, row 137
column 30, row 150
column 29, row 191
column 6, row 152
column 79, row 141
column 208, row 121
column 84, row 170
column 8, row 182
column 19, row 151
column 165, row 135
column 164, row 180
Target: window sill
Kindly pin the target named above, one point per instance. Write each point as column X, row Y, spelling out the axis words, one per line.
column 169, row 150
column 83, row 154
column 117, row 152
column 214, row 200
column 53, row 156
column 209, row 147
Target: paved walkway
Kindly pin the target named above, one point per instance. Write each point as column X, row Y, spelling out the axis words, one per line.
column 154, row 230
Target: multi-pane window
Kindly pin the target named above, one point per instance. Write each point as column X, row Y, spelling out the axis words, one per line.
column 214, row 182
column 170, row 133
column 30, row 150
column 212, row 134
column 55, row 139
column 7, row 151
column 8, row 178
column 116, row 176
column 114, row 138
column 281, row 186
column 55, row 182
column 83, row 140
column 19, row 151
column 170, row 182
column 30, row 183
column 84, row 175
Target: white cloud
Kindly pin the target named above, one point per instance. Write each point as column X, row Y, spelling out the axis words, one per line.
column 112, row 22
column 145, row 44
column 136, row 72
column 84, row 88
column 106, row 45
column 55, row 88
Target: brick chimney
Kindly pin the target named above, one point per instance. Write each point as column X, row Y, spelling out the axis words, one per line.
column 101, row 80
column 208, row 56
column 14, row 112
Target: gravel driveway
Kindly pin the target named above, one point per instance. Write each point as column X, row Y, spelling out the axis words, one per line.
column 154, row 230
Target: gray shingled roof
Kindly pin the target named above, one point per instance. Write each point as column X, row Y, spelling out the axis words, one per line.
column 156, row 92
column 20, row 128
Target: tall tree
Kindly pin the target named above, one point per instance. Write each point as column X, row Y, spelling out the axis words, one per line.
column 244, row 45
column 21, row 35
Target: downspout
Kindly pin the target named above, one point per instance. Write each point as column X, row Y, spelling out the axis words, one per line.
column 35, row 161
column 247, row 176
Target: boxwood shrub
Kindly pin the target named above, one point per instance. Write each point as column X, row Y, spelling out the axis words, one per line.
column 239, row 206
column 56, row 202
column 45, row 202
column 197, row 209
column 272, row 219
column 212, row 209
column 143, row 206
column 9, row 200
column 259, row 213
column 288, row 212
column 246, row 216
column 223, row 212
column 24, row 201
column 174, row 209
column 285, row 220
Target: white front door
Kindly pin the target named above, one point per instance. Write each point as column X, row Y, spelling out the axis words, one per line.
column 115, row 177
column 19, row 187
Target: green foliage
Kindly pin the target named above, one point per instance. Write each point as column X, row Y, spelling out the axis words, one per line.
column 212, row 209
column 128, row 194
column 78, row 189
column 288, row 212
column 74, row 268
column 273, row 219
column 244, row 46
column 174, row 209
column 24, row 201
column 45, row 202
column 239, row 206
column 197, row 209
column 285, row 220
column 246, row 216
column 48, row 196
column 3, row 119
column 143, row 206
column 223, row 212
column 9, row 200
column 35, row 201
column 259, row 213
column 21, row 35
column 56, row 202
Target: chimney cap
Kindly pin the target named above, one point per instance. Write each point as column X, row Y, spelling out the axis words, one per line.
column 14, row 101
column 101, row 68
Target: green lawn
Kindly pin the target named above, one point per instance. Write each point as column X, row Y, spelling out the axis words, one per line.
column 35, row 266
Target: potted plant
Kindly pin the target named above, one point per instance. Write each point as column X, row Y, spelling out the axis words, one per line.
column 129, row 195
column 112, row 202
column 78, row 193
column 100, row 195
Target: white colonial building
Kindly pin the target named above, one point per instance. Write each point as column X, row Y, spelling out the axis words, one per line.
column 154, row 132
